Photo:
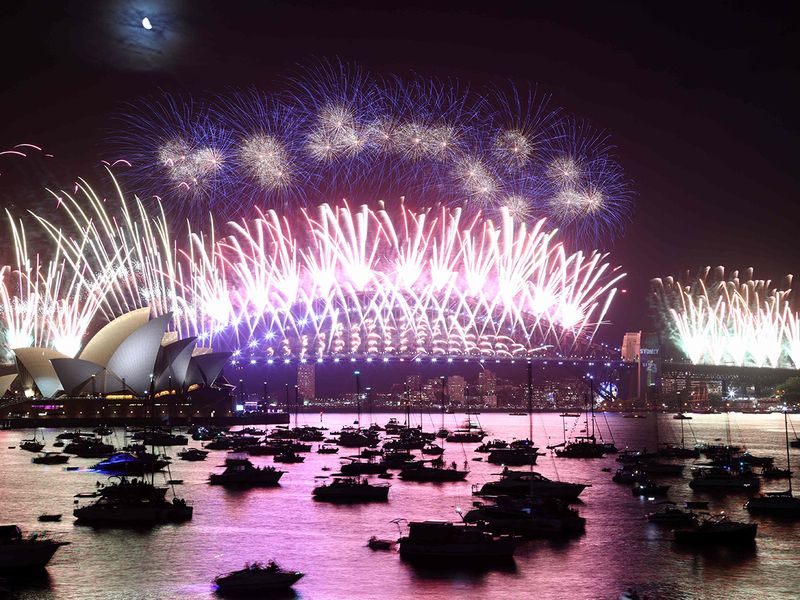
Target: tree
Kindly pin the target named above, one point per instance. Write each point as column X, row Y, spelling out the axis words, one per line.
column 789, row 390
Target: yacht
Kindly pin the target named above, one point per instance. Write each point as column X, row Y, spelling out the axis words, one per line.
column 492, row 445
column 363, row 467
column 239, row 471
column 125, row 463
column 255, row 578
column 131, row 503
column 351, row 489
column 50, row 458
column 681, row 416
column 649, row 488
column 32, row 445
column 327, row 449
column 514, row 456
column 443, row 540
column 19, row 553
column 466, row 436
column 432, row 450
column 89, row 448
column 533, row 484
column 718, row 530
column 288, row 456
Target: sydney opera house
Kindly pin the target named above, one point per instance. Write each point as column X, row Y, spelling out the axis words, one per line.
column 130, row 367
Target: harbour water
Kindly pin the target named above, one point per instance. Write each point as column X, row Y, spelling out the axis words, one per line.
column 619, row 550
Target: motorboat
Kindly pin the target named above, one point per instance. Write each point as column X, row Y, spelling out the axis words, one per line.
column 582, row 447
column 50, row 517
column 653, row 468
column 125, row 463
column 257, row 578
column 672, row 515
column 432, row 450
column 288, row 456
column 50, row 458
column 529, row 518
column 89, row 448
column 327, row 449
column 717, row 530
column 492, row 445
column 376, row 543
column 466, row 436
column 351, row 489
column 160, row 438
column 20, row 553
column 435, row 471
column 131, row 503
column 715, row 478
column 513, row 457
column 779, row 503
column 531, row 483
column 363, row 467
column 356, row 438
column 628, row 476
column 32, row 445
column 681, row 416
column 193, row 454
column 649, row 489
column 443, row 541
column 239, row 471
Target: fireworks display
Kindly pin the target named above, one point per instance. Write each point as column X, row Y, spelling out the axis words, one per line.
column 337, row 133
column 339, row 280
column 719, row 319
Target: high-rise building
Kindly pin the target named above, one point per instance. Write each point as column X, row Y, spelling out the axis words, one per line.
column 644, row 349
column 487, row 382
column 456, row 385
column 630, row 346
column 306, row 385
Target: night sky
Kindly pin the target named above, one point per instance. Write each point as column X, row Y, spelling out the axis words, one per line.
column 699, row 99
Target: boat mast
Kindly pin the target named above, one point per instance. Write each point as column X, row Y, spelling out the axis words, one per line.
column 358, row 397
column 591, row 403
column 530, row 421
column 788, row 463
column 444, row 380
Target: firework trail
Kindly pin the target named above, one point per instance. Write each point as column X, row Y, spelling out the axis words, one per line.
column 719, row 319
column 339, row 280
column 335, row 132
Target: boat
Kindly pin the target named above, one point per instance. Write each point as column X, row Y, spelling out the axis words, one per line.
column 432, row 450
column 58, row 444
column 50, row 458
column 351, row 489
column 436, row 472
column 50, row 518
column 569, row 414
column 530, row 483
column 257, row 578
column 125, row 463
column 653, row 468
column 89, row 448
column 715, row 478
column 288, row 456
column 628, row 476
column 376, row 543
column 327, row 449
column 681, row 416
column 633, row 416
column 582, row 447
column 131, row 503
column 775, row 473
column 103, row 431
column 527, row 517
column 649, row 489
column 160, row 438
column 466, row 436
column 777, row 503
column 672, row 515
column 443, row 541
column 32, row 445
column 518, row 414
column 717, row 530
column 193, row 454
column 356, row 438
column 19, row 553
column 363, row 467
column 513, row 457
column 492, row 445
column 239, row 471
